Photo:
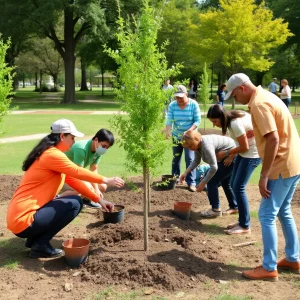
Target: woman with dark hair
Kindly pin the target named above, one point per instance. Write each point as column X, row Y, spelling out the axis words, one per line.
column 87, row 154
column 221, row 94
column 240, row 128
column 35, row 212
column 206, row 148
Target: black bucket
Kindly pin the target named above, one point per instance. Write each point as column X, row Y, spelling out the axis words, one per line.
column 169, row 181
column 116, row 216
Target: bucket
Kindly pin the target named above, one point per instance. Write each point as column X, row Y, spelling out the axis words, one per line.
column 76, row 251
column 182, row 210
column 169, row 181
column 116, row 216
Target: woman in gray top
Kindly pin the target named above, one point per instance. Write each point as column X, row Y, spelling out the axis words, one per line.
column 206, row 147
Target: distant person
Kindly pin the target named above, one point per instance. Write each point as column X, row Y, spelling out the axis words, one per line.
column 240, row 128
column 221, row 94
column 278, row 145
column 285, row 94
column 183, row 115
column 167, row 85
column 87, row 154
column 169, row 91
column 35, row 212
column 193, row 89
column 273, row 86
column 206, row 147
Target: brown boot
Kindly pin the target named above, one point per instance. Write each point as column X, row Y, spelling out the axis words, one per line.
column 287, row 265
column 260, row 273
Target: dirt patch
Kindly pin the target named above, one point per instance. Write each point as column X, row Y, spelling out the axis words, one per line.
column 192, row 257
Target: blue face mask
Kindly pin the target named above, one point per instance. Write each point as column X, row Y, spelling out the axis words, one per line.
column 100, row 150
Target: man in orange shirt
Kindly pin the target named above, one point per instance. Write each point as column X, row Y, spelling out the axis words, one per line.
column 35, row 212
column 278, row 146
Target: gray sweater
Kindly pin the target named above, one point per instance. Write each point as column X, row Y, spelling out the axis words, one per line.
column 211, row 144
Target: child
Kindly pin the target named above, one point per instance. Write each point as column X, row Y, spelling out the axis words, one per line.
column 201, row 171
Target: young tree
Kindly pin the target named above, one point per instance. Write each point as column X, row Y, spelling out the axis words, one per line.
column 5, row 80
column 142, row 70
column 204, row 92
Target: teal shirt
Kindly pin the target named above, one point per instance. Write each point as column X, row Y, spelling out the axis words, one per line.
column 82, row 155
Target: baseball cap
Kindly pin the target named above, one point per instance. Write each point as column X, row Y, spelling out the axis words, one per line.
column 235, row 81
column 65, row 126
column 180, row 91
column 274, row 78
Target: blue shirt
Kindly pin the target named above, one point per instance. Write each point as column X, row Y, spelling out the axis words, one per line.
column 183, row 119
column 221, row 94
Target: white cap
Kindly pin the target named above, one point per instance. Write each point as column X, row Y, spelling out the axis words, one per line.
column 65, row 126
column 180, row 91
column 235, row 81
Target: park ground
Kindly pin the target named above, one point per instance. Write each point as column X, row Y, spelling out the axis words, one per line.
column 186, row 259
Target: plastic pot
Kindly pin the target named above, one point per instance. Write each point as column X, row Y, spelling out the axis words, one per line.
column 116, row 216
column 169, row 181
column 182, row 210
column 76, row 251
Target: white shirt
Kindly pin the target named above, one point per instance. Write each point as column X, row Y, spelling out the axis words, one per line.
column 286, row 91
column 240, row 126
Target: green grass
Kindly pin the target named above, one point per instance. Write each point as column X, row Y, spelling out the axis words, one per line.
column 232, row 297
column 254, row 214
column 10, row 252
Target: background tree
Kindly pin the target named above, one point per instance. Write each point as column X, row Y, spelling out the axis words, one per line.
column 5, row 80
column 240, row 34
column 142, row 70
column 204, row 92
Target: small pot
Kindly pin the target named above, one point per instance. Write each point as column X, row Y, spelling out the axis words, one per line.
column 116, row 216
column 182, row 210
column 76, row 251
column 169, row 181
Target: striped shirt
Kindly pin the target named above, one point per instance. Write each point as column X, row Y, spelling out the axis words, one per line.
column 211, row 144
column 183, row 119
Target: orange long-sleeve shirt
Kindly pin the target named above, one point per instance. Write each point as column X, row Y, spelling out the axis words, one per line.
column 41, row 183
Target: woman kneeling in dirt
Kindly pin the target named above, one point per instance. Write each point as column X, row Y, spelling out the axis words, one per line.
column 34, row 212
column 206, row 147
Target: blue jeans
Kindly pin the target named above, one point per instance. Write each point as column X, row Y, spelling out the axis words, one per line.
column 221, row 103
column 222, row 177
column 287, row 101
column 279, row 204
column 52, row 218
column 189, row 157
column 242, row 171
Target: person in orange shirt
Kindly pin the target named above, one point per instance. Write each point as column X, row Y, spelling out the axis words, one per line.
column 278, row 145
column 35, row 212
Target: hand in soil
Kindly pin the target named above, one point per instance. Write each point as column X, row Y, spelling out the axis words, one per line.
column 106, row 205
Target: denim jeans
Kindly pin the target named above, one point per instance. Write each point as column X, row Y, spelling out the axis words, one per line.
column 287, row 101
column 279, row 204
column 51, row 218
column 242, row 171
column 189, row 157
column 222, row 177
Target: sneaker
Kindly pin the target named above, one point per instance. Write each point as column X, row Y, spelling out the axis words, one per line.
column 260, row 273
column 44, row 251
column 192, row 188
column 230, row 211
column 210, row 213
column 284, row 264
column 90, row 204
column 238, row 230
column 29, row 242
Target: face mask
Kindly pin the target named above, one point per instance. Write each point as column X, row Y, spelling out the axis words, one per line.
column 100, row 150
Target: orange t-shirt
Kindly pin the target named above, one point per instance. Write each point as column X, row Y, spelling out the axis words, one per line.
column 41, row 183
column 270, row 114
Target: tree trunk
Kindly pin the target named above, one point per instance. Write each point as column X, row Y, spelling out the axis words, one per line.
column 69, row 57
column 36, row 81
column 83, row 85
column 55, row 87
column 102, row 81
column 146, row 204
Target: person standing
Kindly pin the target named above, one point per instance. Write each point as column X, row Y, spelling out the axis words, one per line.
column 87, row 154
column 221, row 94
column 193, row 89
column 240, row 128
column 285, row 94
column 206, row 147
column 168, row 88
column 278, row 146
column 35, row 213
column 183, row 114
column 273, row 86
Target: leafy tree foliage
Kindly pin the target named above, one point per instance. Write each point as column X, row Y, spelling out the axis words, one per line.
column 5, row 80
column 240, row 34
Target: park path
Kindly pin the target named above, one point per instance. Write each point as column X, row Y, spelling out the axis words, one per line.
column 39, row 136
